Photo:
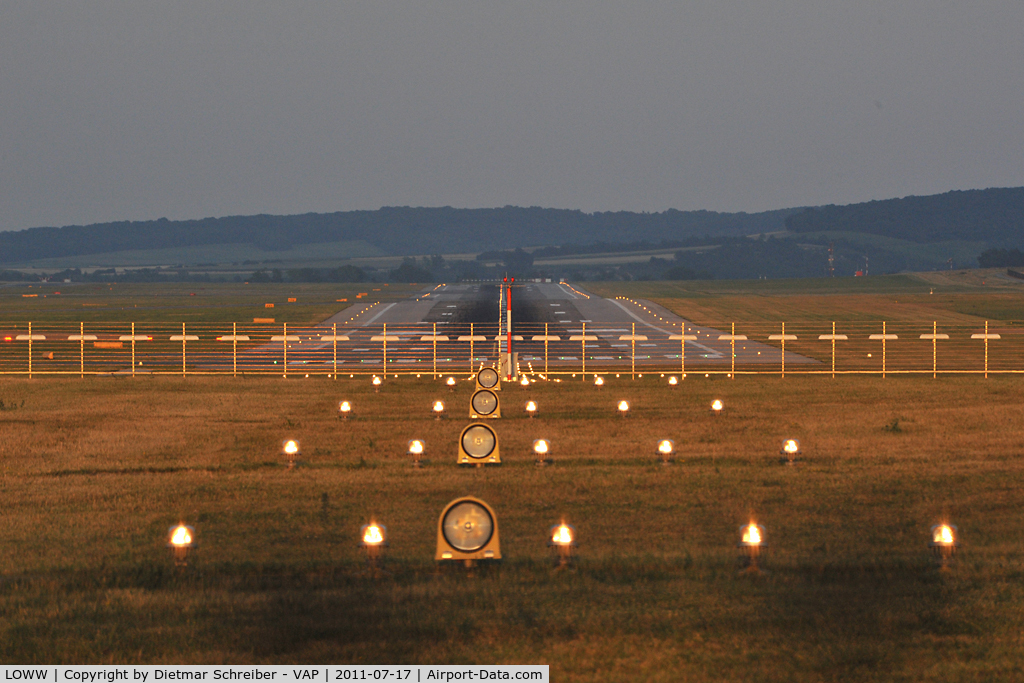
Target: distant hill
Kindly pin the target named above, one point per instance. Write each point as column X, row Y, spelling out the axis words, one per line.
column 395, row 231
column 994, row 216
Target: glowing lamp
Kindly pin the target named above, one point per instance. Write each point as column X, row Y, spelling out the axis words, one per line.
column 665, row 449
column 531, row 408
column 344, row 409
column 290, row 449
column 623, row 408
column 451, row 383
column 673, row 381
column 790, row 449
column 751, row 545
column 181, row 539
column 416, row 449
column 438, row 409
column 524, row 382
column 598, row 382
column 944, row 543
column 373, row 542
column 716, row 407
column 542, row 447
column 376, row 384
column 562, row 540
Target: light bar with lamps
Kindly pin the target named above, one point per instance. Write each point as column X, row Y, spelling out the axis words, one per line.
column 467, row 532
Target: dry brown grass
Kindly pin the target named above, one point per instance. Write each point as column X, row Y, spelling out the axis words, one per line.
column 95, row 471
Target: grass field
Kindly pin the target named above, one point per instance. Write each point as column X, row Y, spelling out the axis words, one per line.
column 93, row 472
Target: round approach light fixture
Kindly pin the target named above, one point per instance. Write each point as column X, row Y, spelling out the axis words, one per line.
column 542, row 448
column 598, row 381
column 484, row 404
column 666, row 447
column 438, row 408
column 717, row 406
column 525, row 382
column 562, row 540
column 373, row 541
column 623, row 408
column 467, row 531
column 451, row 383
column 945, row 541
column 344, row 410
column 376, row 384
column 181, row 540
column 751, row 545
column 531, row 408
column 790, row 450
column 416, row 450
column 673, row 381
column 290, row 450
column 478, row 446
column 488, row 378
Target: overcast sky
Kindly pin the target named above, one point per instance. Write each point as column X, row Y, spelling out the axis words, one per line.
column 138, row 109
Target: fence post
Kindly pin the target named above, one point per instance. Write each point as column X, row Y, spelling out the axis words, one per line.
column 285, row 342
column 986, row 349
column 783, row 349
column 833, row 349
column 234, row 349
column 682, row 351
column 435, row 351
column 133, row 350
column 935, row 346
column 334, row 333
column 30, row 350
column 545, row 348
column 183, row 350
column 385, row 350
column 883, row 349
column 632, row 353
column 732, row 352
column 471, row 354
column 81, row 350
column 583, row 347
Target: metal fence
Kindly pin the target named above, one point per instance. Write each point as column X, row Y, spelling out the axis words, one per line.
column 828, row 348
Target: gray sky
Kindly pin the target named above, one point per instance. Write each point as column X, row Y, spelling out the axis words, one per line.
column 137, row 109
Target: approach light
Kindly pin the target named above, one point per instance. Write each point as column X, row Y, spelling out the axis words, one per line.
column 666, row 447
column 344, row 408
column 181, row 539
column 531, row 408
column 524, row 382
column 488, row 378
column 416, row 450
column 373, row 542
column 484, row 404
column 623, row 408
column 376, row 384
column 542, row 447
column 751, row 545
column 790, row 449
column 467, row 531
column 598, row 381
column 438, row 409
column 290, row 449
column 716, row 407
column 944, row 544
column 478, row 446
column 451, row 383
column 562, row 540
column 673, row 381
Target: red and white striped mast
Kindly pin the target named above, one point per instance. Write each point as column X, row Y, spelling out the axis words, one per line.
column 508, row 324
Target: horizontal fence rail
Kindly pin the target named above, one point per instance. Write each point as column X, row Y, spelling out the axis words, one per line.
column 822, row 348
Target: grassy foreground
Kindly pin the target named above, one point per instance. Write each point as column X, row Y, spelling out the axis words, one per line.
column 92, row 474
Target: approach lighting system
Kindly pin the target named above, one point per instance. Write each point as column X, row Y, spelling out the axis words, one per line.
column 181, row 539
column 542, row 447
column 562, row 540
column 488, row 378
column 451, row 383
column 716, row 407
column 438, row 409
column 525, row 382
column 478, row 446
column 290, row 450
column 623, row 408
column 751, row 545
column 598, row 381
column 790, row 450
column 376, row 384
column 344, row 410
column 467, row 532
column 416, row 449
column 944, row 543
column 666, row 448
column 373, row 541
column 484, row 404
column 531, row 408
column 673, row 381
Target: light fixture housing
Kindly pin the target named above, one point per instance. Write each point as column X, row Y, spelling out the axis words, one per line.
column 376, row 381
column 416, row 450
column 467, row 531
column 290, row 450
column 944, row 543
column 790, row 450
column 531, row 408
column 484, row 404
column 344, row 410
column 717, row 406
column 373, row 539
column 524, row 382
column 666, row 447
column 623, row 408
column 598, row 381
column 451, row 383
column 542, row 449
column 438, row 409
column 478, row 446
column 751, row 545
column 673, row 381
column 181, row 539
column 562, row 540
column 488, row 378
